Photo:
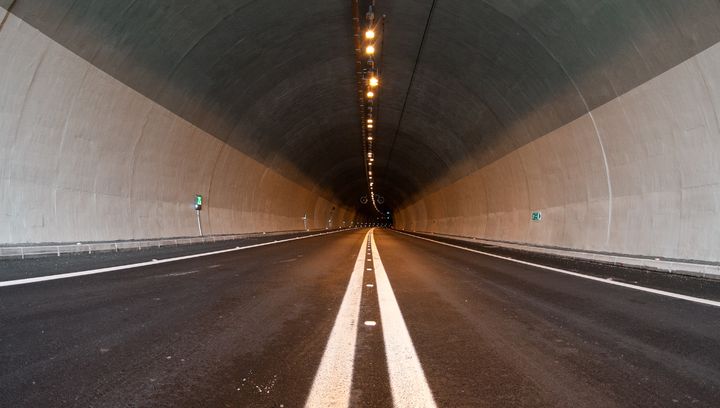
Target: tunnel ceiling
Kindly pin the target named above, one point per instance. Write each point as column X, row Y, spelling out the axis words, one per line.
column 276, row 79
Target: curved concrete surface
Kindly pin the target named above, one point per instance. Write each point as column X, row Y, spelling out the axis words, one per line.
column 602, row 115
column 84, row 157
column 638, row 175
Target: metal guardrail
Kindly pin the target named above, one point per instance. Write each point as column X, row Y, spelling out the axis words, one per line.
column 116, row 246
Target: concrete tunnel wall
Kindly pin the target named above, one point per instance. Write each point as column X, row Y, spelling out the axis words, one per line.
column 602, row 115
column 639, row 175
column 84, row 157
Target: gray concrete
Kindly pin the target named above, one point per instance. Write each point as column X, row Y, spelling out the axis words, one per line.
column 60, row 249
column 600, row 114
column 638, row 175
column 85, row 158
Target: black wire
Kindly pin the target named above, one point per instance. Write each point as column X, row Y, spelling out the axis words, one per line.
column 407, row 93
column 7, row 14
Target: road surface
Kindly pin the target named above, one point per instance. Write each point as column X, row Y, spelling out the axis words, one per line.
column 355, row 318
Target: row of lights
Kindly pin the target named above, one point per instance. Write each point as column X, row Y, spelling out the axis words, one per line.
column 371, row 84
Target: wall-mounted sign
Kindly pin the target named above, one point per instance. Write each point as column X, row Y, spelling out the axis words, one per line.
column 536, row 216
column 198, row 202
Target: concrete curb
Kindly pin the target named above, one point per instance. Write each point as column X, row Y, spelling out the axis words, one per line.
column 30, row 250
column 699, row 269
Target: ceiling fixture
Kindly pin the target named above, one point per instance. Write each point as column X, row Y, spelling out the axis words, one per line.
column 368, row 44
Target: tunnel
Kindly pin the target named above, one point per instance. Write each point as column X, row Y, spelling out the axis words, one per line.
column 542, row 178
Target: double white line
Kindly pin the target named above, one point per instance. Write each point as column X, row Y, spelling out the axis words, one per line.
column 333, row 381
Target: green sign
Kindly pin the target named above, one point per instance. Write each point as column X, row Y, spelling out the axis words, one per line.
column 198, row 199
column 536, row 216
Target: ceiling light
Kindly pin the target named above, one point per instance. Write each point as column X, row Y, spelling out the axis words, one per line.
column 370, row 50
column 369, row 121
column 374, row 81
column 369, row 34
column 370, row 94
column 370, row 126
column 370, row 138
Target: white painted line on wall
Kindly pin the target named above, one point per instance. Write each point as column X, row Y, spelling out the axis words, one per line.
column 595, row 127
column 408, row 384
column 141, row 264
column 333, row 380
column 579, row 275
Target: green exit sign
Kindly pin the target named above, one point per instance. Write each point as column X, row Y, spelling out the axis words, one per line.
column 536, row 216
column 198, row 201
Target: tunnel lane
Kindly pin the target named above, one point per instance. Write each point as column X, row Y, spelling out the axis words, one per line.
column 492, row 332
column 253, row 328
column 111, row 265
column 238, row 328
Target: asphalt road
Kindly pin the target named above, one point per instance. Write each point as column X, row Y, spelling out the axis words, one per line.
column 301, row 321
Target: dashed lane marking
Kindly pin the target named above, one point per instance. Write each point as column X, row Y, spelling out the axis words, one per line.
column 333, row 380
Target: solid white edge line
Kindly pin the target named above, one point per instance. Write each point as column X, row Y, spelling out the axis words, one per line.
column 580, row 275
column 408, row 384
column 333, row 379
column 141, row 264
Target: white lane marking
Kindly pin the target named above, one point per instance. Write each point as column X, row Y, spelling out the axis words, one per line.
column 370, row 323
column 141, row 264
column 608, row 281
column 408, row 384
column 178, row 274
column 333, row 380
